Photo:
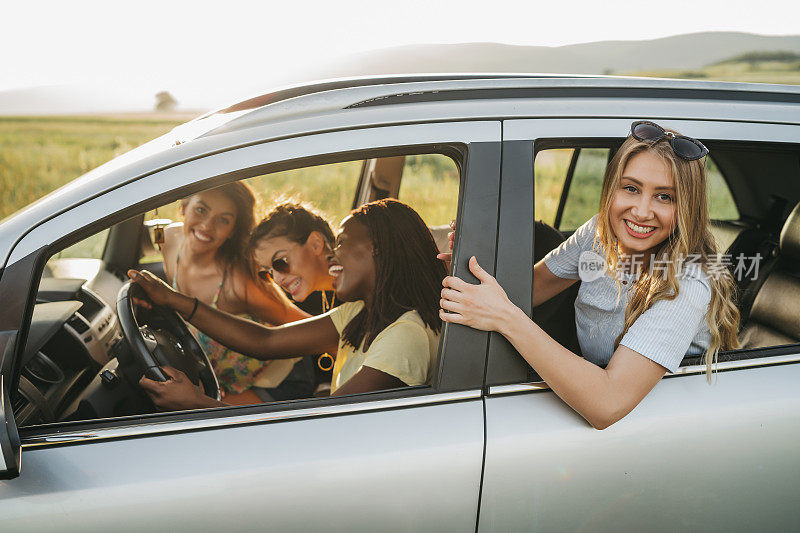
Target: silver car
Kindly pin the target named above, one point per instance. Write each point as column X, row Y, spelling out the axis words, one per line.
column 487, row 446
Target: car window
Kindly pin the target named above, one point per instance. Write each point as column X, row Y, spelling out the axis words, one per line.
column 89, row 248
column 430, row 185
column 81, row 259
column 721, row 205
column 550, row 171
column 583, row 197
column 76, row 366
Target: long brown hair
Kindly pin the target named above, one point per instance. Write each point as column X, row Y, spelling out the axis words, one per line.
column 691, row 237
column 408, row 276
column 235, row 250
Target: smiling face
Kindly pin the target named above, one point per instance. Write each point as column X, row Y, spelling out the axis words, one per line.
column 209, row 219
column 352, row 264
column 643, row 209
column 299, row 268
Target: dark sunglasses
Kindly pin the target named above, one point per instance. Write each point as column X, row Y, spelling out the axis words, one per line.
column 684, row 147
column 279, row 264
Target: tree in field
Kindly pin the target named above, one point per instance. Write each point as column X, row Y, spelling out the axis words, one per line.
column 165, row 101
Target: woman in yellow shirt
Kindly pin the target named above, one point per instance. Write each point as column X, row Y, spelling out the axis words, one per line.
column 385, row 336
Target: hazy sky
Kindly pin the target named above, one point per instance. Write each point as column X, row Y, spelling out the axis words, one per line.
column 204, row 50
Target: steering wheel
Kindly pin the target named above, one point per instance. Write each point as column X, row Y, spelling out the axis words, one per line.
column 164, row 340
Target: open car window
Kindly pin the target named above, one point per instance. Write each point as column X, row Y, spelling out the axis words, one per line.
column 749, row 211
column 80, row 364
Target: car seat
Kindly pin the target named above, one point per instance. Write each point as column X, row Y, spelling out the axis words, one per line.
column 771, row 302
column 557, row 315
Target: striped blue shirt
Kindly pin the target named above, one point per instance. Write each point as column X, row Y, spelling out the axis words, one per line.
column 664, row 333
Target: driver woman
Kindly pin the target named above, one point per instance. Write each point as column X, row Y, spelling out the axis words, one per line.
column 384, row 336
column 207, row 257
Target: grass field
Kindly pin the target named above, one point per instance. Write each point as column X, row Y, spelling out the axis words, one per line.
column 761, row 71
column 40, row 154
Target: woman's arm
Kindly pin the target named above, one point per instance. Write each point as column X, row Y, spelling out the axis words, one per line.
column 368, row 380
column 601, row 396
column 546, row 284
column 178, row 393
column 307, row 337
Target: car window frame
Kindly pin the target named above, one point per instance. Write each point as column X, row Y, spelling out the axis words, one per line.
column 507, row 371
column 474, row 144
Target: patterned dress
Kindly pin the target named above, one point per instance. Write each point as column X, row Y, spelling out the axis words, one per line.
column 235, row 372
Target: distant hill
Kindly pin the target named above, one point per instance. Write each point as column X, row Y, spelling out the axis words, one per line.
column 690, row 51
column 668, row 56
column 60, row 99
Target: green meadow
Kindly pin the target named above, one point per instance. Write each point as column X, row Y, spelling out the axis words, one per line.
column 40, row 154
column 755, row 67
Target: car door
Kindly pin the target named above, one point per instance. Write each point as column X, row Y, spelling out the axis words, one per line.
column 691, row 456
column 401, row 460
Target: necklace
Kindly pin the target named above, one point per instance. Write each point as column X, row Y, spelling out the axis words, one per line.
column 325, row 361
column 326, row 305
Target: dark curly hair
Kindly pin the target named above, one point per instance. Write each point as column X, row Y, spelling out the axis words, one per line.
column 293, row 220
column 408, row 276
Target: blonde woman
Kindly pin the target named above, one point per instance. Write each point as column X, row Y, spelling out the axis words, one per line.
column 655, row 293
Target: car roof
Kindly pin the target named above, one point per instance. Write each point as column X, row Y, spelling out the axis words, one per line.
column 296, row 107
column 350, row 93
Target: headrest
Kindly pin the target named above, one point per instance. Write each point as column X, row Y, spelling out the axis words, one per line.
column 790, row 235
column 545, row 238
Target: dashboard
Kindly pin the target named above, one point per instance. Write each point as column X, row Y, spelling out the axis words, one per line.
column 69, row 366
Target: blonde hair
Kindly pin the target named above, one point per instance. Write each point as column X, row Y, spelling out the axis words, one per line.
column 691, row 237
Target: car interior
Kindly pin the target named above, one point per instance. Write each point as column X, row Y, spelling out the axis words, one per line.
column 78, row 363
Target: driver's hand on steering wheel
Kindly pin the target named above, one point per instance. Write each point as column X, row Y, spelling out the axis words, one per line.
column 158, row 291
column 177, row 393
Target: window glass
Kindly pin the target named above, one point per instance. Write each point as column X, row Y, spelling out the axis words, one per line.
column 721, row 205
column 430, row 186
column 81, row 260
column 330, row 188
column 583, row 198
column 549, row 173
column 89, row 248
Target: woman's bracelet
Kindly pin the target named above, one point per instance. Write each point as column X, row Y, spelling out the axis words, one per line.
column 194, row 310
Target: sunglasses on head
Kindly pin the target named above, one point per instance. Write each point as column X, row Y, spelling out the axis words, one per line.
column 684, row 147
column 279, row 264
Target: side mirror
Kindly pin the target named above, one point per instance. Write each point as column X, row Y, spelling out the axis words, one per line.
column 10, row 446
